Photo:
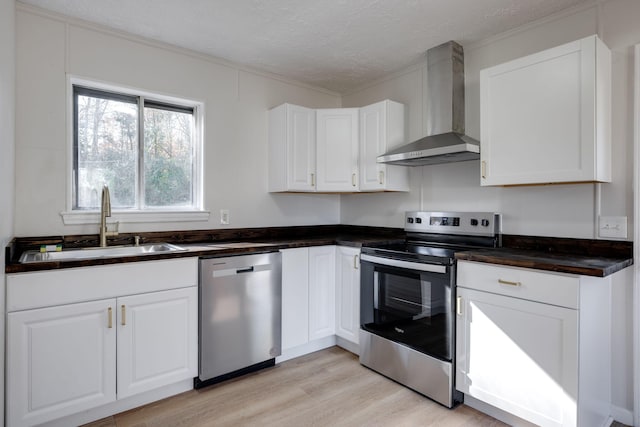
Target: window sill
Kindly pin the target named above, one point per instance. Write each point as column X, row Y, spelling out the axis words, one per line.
column 93, row 217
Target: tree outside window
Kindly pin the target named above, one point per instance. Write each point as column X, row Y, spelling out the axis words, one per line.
column 159, row 173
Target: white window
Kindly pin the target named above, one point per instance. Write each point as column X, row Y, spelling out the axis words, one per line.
column 145, row 148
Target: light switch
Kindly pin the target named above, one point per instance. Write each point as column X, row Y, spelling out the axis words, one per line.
column 224, row 216
column 612, row 227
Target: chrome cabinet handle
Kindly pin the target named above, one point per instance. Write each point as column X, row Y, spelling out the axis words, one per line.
column 459, row 306
column 381, row 177
column 123, row 312
column 109, row 318
column 508, row 282
column 313, row 179
column 355, row 262
column 353, row 179
column 484, row 169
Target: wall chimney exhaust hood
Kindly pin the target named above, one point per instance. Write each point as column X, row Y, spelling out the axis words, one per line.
column 445, row 115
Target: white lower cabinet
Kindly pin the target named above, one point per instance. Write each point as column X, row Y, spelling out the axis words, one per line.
column 322, row 294
column 295, row 298
column 534, row 344
column 348, row 293
column 60, row 360
column 157, row 340
column 320, row 298
column 69, row 358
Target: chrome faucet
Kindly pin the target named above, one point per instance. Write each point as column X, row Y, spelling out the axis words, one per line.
column 105, row 211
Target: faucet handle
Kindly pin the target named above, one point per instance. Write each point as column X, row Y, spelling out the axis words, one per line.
column 136, row 240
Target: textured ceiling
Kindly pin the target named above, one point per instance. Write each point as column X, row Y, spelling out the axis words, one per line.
column 333, row 44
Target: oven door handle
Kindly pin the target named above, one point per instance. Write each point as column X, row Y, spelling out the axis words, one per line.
column 376, row 286
column 432, row 268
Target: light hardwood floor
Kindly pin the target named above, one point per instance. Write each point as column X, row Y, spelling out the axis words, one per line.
column 326, row 388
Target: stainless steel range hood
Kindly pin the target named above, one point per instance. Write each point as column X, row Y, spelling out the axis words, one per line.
column 445, row 115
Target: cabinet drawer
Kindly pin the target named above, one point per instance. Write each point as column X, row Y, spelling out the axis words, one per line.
column 550, row 288
column 71, row 285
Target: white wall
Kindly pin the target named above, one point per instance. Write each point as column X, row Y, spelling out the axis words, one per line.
column 7, row 99
column 526, row 210
column 561, row 210
column 49, row 48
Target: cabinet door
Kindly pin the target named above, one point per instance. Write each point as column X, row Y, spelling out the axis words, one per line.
column 381, row 128
column 322, row 302
column 519, row 356
column 348, row 293
column 301, row 130
column 60, row 360
column 292, row 148
column 337, row 148
column 295, row 297
column 157, row 339
column 545, row 117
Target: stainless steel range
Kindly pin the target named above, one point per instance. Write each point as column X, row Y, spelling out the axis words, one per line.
column 408, row 297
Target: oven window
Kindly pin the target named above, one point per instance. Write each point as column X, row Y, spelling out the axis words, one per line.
column 414, row 308
column 410, row 297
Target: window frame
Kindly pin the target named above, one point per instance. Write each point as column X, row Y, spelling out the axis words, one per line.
column 147, row 214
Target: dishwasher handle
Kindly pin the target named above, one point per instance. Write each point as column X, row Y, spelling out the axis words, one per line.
column 234, row 271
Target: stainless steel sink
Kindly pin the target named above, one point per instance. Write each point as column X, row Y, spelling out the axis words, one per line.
column 93, row 253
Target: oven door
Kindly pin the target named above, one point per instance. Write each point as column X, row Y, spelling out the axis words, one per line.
column 408, row 302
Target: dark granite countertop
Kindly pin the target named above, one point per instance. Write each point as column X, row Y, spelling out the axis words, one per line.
column 585, row 265
column 210, row 249
column 597, row 258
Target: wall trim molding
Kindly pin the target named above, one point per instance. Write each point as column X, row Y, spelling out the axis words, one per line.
column 636, row 236
column 622, row 415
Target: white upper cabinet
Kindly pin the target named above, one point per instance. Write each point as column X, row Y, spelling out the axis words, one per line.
column 337, row 149
column 545, row 118
column 292, row 148
column 381, row 129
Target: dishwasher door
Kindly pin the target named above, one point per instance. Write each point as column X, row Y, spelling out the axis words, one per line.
column 240, row 312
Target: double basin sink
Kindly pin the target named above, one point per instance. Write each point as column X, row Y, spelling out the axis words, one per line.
column 120, row 251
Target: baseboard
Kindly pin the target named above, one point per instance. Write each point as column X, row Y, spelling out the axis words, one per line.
column 618, row 414
column 310, row 347
column 123, row 405
column 496, row 413
column 348, row 345
column 622, row 415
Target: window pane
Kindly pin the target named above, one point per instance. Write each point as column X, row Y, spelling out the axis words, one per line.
column 168, row 158
column 106, row 151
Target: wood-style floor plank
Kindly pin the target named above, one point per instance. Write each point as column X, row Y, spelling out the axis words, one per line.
column 326, row 388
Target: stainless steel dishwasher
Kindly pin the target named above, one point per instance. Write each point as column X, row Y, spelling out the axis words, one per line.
column 240, row 315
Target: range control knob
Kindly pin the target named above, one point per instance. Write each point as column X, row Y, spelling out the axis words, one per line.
column 474, row 222
column 410, row 220
column 418, row 220
column 484, row 222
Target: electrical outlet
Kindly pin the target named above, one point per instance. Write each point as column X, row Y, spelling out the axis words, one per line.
column 612, row 227
column 224, row 216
